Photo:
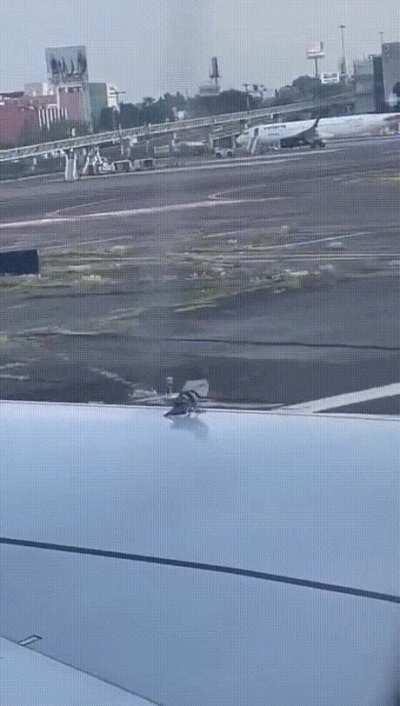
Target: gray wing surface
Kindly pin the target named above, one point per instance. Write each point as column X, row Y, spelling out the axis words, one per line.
column 314, row 497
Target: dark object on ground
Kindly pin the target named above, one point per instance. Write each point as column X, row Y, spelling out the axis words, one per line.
column 19, row 262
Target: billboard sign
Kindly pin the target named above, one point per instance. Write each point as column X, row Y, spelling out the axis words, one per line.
column 316, row 51
column 330, row 78
column 67, row 65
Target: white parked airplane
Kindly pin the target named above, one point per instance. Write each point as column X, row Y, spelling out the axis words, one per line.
column 315, row 132
column 369, row 124
column 291, row 134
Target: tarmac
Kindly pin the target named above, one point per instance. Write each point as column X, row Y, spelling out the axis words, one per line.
column 275, row 277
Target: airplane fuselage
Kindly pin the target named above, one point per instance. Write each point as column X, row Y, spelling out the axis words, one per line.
column 301, row 132
column 274, row 134
column 358, row 125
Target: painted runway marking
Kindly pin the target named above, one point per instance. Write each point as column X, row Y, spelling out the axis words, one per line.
column 129, row 212
column 328, row 403
column 60, row 211
column 219, row 195
column 314, row 241
column 295, row 244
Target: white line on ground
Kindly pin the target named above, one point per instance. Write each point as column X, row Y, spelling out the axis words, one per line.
column 95, row 241
column 220, row 195
column 32, row 223
column 328, row 403
column 327, row 256
column 60, row 211
column 295, row 244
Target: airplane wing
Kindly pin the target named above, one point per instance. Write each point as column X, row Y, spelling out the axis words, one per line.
column 28, row 678
column 231, row 558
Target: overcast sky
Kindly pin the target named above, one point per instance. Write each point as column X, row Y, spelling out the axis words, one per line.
column 147, row 47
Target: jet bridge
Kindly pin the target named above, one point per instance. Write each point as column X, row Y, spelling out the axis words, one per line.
column 73, row 144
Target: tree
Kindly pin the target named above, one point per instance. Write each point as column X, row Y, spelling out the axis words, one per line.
column 153, row 111
column 306, row 86
column 172, row 103
column 58, row 130
column 107, row 120
column 130, row 115
column 233, row 101
column 230, row 101
column 287, row 94
column 396, row 89
column 62, row 129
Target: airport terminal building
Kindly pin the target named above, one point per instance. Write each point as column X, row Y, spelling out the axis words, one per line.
column 391, row 71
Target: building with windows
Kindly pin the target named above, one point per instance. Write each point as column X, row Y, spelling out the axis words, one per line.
column 369, row 86
column 16, row 121
column 102, row 95
column 391, row 72
column 23, row 114
column 68, row 77
column 363, row 77
column 379, row 88
column 37, row 88
column 73, row 104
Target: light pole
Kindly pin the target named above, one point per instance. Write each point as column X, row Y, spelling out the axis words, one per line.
column 115, row 92
column 343, row 62
column 246, row 87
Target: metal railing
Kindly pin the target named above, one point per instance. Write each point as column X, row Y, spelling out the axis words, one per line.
column 114, row 136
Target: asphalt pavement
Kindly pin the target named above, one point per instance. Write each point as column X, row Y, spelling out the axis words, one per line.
column 166, row 299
